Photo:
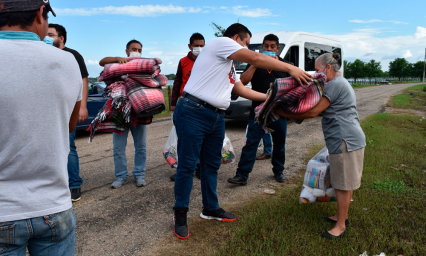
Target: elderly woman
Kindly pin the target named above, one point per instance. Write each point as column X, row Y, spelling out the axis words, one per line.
column 343, row 135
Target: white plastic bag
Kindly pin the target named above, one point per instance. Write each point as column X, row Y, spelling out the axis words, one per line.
column 170, row 149
column 228, row 153
column 317, row 173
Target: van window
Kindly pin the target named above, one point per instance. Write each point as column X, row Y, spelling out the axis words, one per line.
column 241, row 66
column 313, row 51
column 292, row 55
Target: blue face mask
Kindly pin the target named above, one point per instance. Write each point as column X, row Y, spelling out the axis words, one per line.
column 272, row 54
column 48, row 40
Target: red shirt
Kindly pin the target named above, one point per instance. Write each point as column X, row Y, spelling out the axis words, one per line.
column 182, row 76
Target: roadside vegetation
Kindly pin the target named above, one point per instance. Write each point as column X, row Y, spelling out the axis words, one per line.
column 413, row 97
column 388, row 213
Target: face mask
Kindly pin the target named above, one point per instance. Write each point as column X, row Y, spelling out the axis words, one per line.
column 135, row 54
column 272, row 54
column 243, row 45
column 196, row 50
column 48, row 40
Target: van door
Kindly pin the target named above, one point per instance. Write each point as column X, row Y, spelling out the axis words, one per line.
column 293, row 55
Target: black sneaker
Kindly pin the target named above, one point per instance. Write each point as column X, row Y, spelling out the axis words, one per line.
column 218, row 214
column 75, row 194
column 173, row 177
column 238, row 180
column 180, row 225
column 280, row 178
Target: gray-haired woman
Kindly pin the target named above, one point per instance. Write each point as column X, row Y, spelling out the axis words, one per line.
column 343, row 135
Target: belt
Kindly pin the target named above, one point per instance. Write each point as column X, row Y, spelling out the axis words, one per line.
column 201, row 102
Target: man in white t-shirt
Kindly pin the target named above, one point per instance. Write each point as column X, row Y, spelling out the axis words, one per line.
column 41, row 90
column 199, row 118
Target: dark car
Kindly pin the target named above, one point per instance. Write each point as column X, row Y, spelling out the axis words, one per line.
column 95, row 102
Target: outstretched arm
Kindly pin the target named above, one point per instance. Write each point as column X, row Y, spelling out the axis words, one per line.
column 108, row 60
column 313, row 112
column 247, row 93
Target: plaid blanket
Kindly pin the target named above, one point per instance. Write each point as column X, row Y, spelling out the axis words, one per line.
column 285, row 93
column 135, row 66
column 145, row 101
column 150, row 80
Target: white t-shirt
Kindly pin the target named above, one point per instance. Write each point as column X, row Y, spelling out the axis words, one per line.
column 39, row 86
column 213, row 75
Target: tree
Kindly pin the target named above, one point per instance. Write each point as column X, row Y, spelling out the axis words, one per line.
column 171, row 76
column 399, row 68
column 219, row 31
column 373, row 69
column 417, row 69
column 347, row 72
column 356, row 69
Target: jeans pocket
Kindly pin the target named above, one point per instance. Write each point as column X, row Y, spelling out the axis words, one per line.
column 62, row 224
column 7, row 236
column 191, row 104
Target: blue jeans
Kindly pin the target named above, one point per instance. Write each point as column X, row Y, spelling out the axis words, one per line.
column 120, row 143
column 201, row 132
column 45, row 236
column 254, row 134
column 267, row 143
column 73, row 164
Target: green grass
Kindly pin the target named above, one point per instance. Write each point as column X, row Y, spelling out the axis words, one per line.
column 388, row 213
column 413, row 97
column 166, row 112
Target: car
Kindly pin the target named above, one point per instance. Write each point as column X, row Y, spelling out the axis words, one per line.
column 299, row 48
column 95, row 101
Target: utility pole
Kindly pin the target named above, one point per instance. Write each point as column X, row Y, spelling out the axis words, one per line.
column 424, row 67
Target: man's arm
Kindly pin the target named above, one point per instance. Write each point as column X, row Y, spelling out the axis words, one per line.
column 246, row 77
column 247, row 93
column 313, row 112
column 176, row 87
column 74, row 117
column 266, row 62
column 108, row 60
column 84, row 113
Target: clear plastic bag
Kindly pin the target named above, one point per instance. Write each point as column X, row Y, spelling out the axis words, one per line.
column 228, row 153
column 170, row 149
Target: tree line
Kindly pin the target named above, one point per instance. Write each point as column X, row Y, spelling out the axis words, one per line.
column 399, row 68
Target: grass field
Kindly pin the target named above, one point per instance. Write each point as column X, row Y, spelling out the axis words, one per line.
column 166, row 112
column 388, row 213
column 413, row 97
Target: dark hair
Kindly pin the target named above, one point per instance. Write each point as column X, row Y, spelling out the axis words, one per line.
column 23, row 19
column 237, row 28
column 60, row 30
column 196, row 36
column 271, row 37
column 131, row 42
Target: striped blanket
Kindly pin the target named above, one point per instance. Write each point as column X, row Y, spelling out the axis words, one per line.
column 150, row 80
column 135, row 66
column 287, row 94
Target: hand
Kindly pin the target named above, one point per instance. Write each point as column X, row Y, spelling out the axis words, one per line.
column 123, row 60
column 83, row 114
column 172, row 108
column 301, row 76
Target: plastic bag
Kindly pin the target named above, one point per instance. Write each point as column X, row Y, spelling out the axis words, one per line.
column 228, row 153
column 170, row 149
column 317, row 173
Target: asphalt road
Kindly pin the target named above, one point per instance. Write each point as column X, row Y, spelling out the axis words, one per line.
column 132, row 220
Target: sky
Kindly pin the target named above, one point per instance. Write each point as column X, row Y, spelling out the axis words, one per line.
column 373, row 29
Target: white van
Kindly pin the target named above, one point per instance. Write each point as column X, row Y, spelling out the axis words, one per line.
column 299, row 48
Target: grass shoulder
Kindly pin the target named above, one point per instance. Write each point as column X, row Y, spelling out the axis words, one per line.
column 413, row 97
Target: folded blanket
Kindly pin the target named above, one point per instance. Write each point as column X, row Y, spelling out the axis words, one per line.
column 135, row 66
column 287, row 94
column 150, row 80
column 145, row 101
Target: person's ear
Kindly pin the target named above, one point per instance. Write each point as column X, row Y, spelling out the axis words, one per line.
column 190, row 46
column 62, row 39
column 39, row 18
column 127, row 52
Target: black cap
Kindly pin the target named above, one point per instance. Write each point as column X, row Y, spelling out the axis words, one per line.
column 24, row 5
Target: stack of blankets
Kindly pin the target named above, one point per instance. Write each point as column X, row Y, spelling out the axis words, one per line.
column 135, row 95
column 290, row 96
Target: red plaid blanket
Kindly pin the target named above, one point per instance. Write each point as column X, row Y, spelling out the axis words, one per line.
column 286, row 94
column 150, row 80
column 145, row 101
column 135, row 66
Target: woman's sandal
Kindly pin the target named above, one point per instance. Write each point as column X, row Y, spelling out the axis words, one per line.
column 328, row 219
column 330, row 236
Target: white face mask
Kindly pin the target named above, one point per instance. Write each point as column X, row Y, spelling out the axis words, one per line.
column 196, row 50
column 243, row 45
column 135, row 54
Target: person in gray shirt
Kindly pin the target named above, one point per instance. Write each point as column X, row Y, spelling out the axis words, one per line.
column 343, row 135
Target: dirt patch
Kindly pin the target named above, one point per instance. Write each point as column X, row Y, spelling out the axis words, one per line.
column 395, row 110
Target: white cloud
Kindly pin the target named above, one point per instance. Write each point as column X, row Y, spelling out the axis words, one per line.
column 407, row 54
column 155, row 52
column 130, row 10
column 376, row 20
column 92, row 62
column 420, row 33
column 254, row 13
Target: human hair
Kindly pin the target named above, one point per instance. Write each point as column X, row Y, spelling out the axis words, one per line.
column 22, row 19
column 60, row 30
column 330, row 58
column 271, row 37
column 196, row 36
column 131, row 42
column 237, row 28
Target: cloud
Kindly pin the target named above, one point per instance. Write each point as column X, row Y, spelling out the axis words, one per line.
column 407, row 54
column 130, row 10
column 375, row 21
column 254, row 13
column 420, row 33
column 92, row 62
column 155, row 52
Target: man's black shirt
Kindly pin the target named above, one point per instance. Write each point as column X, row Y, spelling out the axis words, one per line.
column 261, row 82
column 79, row 60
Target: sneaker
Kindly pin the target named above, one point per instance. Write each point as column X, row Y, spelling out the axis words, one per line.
column 280, row 178
column 180, row 225
column 173, row 177
column 140, row 181
column 238, row 180
column 118, row 182
column 218, row 214
column 75, row 194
